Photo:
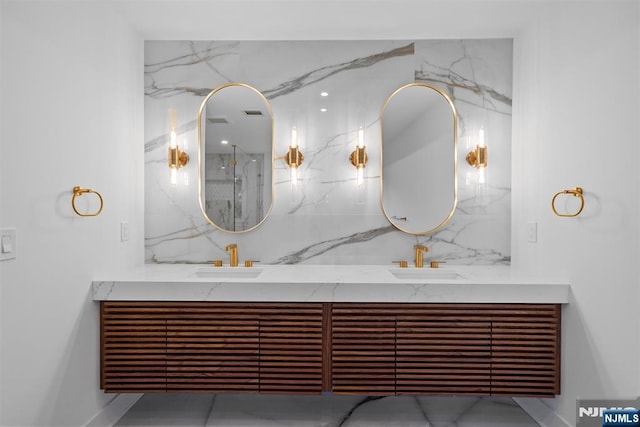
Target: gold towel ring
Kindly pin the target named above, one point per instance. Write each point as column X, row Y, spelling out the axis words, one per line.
column 79, row 191
column 576, row 192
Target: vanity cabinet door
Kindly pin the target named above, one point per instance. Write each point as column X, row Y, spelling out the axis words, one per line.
column 291, row 348
column 133, row 345
column 363, row 349
column 213, row 347
column 443, row 349
column 525, row 351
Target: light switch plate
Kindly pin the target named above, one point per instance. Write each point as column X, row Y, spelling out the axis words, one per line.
column 7, row 243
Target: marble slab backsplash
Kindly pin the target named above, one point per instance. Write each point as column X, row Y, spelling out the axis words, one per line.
column 327, row 221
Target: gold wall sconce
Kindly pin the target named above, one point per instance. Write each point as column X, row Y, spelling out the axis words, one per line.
column 294, row 157
column 176, row 157
column 478, row 158
column 359, row 158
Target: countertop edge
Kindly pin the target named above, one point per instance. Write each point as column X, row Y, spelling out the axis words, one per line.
column 420, row 292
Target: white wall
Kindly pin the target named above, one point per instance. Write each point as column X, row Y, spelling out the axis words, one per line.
column 71, row 106
column 576, row 118
column 2, row 198
column 576, row 123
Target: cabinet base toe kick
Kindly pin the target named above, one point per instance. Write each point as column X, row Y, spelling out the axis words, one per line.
column 380, row 349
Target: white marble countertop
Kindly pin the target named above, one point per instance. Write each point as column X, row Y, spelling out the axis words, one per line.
column 329, row 283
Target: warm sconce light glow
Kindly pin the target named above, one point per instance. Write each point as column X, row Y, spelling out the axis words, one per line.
column 173, row 139
column 478, row 157
column 176, row 158
column 294, row 137
column 358, row 158
column 294, row 157
column 173, row 125
column 360, row 177
column 482, row 178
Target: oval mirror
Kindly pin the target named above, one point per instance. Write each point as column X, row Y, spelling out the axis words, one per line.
column 235, row 139
column 419, row 189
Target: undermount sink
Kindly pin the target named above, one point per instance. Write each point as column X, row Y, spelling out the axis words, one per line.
column 424, row 274
column 229, row 273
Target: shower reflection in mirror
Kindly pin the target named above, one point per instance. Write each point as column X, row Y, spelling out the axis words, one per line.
column 235, row 134
column 234, row 187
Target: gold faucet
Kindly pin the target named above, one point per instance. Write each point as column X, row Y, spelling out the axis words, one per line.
column 233, row 254
column 419, row 250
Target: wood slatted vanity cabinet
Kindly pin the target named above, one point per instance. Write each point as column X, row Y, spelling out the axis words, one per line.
column 481, row 349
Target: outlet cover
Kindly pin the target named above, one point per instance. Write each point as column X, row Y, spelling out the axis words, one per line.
column 532, row 232
column 124, row 231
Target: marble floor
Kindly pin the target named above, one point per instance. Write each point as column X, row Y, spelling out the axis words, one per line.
column 188, row 410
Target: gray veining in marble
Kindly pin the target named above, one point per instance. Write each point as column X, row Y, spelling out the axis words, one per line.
column 326, row 221
column 322, row 73
column 319, row 248
column 323, row 411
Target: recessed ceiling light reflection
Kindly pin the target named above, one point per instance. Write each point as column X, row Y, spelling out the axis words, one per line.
column 224, row 142
column 323, row 110
column 324, row 93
